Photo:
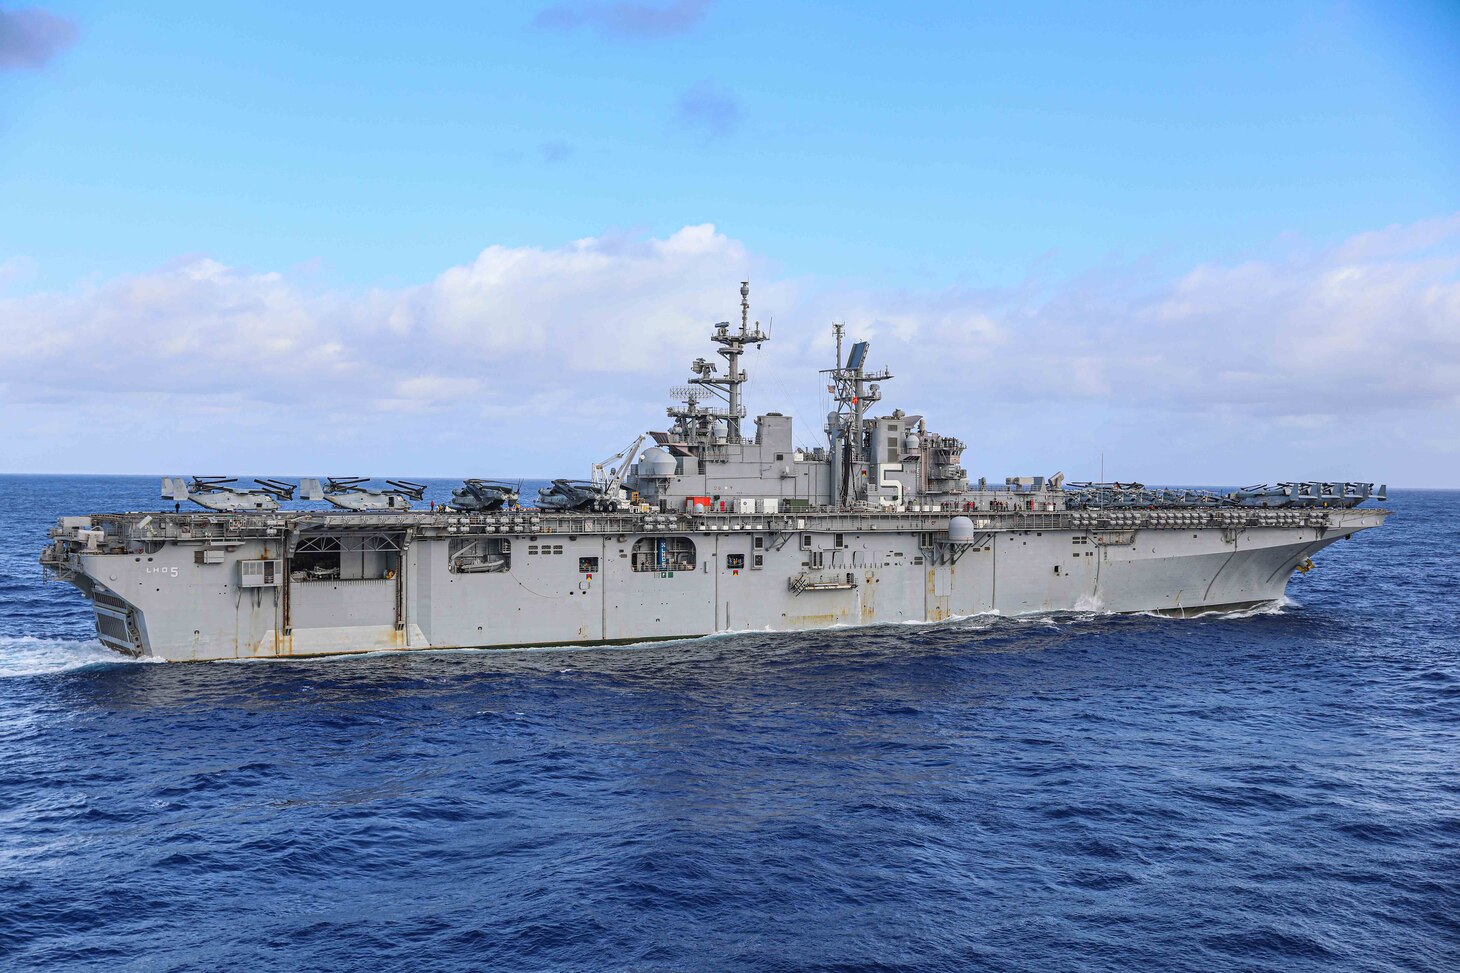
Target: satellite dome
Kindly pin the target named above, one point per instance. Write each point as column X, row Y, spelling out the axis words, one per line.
column 655, row 462
column 960, row 530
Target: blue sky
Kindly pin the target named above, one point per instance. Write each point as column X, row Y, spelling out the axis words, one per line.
column 1034, row 166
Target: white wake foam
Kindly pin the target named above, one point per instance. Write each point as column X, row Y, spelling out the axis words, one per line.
column 23, row 655
column 1278, row 607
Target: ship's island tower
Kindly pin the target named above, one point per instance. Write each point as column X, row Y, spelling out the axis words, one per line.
column 707, row 458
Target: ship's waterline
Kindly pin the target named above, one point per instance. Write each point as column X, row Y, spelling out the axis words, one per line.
column 567, row 579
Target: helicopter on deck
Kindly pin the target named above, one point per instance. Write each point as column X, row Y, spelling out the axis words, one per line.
column 218, row 493
column 351, row 493
column 484, row 496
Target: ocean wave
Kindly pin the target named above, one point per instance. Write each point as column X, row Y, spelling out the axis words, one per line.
column 25, row 655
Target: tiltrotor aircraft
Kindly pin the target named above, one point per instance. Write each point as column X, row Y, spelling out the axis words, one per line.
column 351, row 493
column 218, row 493
column 1311, row 494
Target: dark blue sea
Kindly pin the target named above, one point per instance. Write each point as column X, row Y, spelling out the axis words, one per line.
column 1275, row 790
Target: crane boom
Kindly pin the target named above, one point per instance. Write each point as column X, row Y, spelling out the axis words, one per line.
column 611, row 481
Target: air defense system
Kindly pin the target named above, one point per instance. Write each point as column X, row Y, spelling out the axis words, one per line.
column 719, row 523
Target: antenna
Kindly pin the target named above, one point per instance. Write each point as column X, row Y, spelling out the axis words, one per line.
column 696, row 424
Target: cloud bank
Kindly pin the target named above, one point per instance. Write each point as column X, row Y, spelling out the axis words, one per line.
column 527, row 358
column 30, row 38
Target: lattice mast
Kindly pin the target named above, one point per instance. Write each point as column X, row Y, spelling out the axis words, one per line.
column 727, row 387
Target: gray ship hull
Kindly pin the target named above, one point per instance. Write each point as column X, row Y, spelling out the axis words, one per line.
column 240, row 586
column 716, row 527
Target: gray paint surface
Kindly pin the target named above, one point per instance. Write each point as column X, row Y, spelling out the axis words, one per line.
column 879, row 526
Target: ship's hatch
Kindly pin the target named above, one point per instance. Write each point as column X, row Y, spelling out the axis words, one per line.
column 345, row 557
column 344, row 581
column 479, row 555
column 663, row 554
column 116, row 628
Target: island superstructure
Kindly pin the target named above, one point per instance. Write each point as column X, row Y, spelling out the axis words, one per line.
column 714, row 526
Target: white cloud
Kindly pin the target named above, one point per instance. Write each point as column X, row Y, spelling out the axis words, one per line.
column 434, row 388
column 537, row 360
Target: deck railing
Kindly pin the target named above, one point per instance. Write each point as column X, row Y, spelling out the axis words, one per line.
column 131, row 531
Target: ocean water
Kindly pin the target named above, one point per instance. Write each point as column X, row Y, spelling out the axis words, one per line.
column 1273, row 790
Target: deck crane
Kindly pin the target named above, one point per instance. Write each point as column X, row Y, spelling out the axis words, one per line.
column 609, row 483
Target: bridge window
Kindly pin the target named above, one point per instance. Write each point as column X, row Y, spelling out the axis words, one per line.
column 663, row 554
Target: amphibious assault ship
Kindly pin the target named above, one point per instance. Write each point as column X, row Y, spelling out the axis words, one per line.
column 713, row 527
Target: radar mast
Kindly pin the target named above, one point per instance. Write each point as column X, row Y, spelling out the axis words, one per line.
column 854, row 389
column 695, row 418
